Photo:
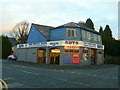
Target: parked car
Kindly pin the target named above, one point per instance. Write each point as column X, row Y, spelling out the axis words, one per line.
column 12, row 57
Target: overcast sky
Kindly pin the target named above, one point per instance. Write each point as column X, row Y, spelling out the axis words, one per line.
column 58, row 12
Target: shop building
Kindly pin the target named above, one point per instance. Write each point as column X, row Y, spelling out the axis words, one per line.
column 66, row 44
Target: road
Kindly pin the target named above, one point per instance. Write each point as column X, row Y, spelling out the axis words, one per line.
column 30, row 75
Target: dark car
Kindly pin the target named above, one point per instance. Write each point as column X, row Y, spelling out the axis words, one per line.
column 12, row 57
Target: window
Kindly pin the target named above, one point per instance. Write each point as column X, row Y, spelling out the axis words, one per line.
column 71, row 50
column 71, row 32
column 88, row 36
column 83, row 34
column 99, row 39
column 95, row 37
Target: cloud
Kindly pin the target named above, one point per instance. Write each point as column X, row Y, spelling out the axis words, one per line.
column 58, row 12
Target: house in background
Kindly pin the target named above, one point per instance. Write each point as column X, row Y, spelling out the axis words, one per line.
column 13, row 42
column 70, row 43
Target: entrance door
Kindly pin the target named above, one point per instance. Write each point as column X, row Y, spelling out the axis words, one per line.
column 92, row 57
column 54, row 56
column 41, row 56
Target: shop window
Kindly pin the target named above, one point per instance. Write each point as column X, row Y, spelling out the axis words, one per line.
column 71, row 32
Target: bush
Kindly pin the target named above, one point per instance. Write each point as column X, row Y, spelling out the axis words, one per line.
column 112, row 60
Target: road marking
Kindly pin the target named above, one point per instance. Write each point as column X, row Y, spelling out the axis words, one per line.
column 91, row 74
column 6, row 68
column 62, row 70
column 29, row 72
column 15, row 84
column 3, row 85
column 9, row 78
column 115, row 77
column 72, row 72
column 71, row 81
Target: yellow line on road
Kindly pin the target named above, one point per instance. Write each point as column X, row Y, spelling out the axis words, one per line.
column 3, row 84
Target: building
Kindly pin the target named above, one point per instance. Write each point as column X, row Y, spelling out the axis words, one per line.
column 70, row 43
column 13, row 43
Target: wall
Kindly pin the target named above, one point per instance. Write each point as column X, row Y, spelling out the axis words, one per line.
column 100, row 57
column 21, row 55
column 35, row 36
column 57, row 34
column 28, row 55
column 92, row 38
column 32, row 55
column 77, row 37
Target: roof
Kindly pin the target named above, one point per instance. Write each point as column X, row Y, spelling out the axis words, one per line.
column 44, row 30
column 12, row 41
column 78, row 25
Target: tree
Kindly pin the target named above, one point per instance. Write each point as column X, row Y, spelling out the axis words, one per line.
column 108, row 33
column 101, row 30
column 89, row 23
column 20, row 31
column 6, row 47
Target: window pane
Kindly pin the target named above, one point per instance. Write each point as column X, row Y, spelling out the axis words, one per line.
column 72, row 32
column 88, row 35
column 69, row 32
column 95, row 37
column 83, row 34
column 99, row 38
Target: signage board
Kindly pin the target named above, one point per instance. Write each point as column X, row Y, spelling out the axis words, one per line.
column 54, row 43
column 72, row 43
column 75, row 58
column 71, row 47
column 99, row 46
column 89, row 45
column 22, row 45
column 40, row 44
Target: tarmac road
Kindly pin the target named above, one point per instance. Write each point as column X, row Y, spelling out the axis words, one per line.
column 30, row 75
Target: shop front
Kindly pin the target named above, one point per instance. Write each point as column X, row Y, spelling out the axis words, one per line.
column 68, row 52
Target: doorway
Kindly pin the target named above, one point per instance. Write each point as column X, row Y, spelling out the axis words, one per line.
column 54, row 56
column 41, row 56
column 93, row 62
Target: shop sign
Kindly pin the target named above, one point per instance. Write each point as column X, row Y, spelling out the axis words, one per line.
column 75, row 58
column 100, row 46
column 71, row 42
column 22, row 45
column 54, row 43
column 41, row 44
column 90, row 45
column 71, row 47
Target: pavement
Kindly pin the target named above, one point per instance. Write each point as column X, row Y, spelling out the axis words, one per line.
column 32, row 75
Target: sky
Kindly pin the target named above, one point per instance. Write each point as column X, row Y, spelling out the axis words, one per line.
column 58, row 12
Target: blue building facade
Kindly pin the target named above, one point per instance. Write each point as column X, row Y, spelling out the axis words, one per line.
column 70, row 43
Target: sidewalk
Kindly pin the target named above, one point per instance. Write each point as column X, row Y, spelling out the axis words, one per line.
column 57, row 67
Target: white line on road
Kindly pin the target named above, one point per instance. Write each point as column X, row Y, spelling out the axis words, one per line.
column 9, row 78
column 115, row 77
column 6, row 68
column 72, row 81
column 30, row 72
column 11, row 85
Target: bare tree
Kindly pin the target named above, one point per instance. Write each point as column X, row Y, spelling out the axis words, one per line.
column 20, row 31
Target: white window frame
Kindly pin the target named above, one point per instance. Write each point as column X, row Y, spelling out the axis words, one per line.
column 99, row 38
column 95, row 37
column 71, row 31
column 83, row 34
column 88, row 35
